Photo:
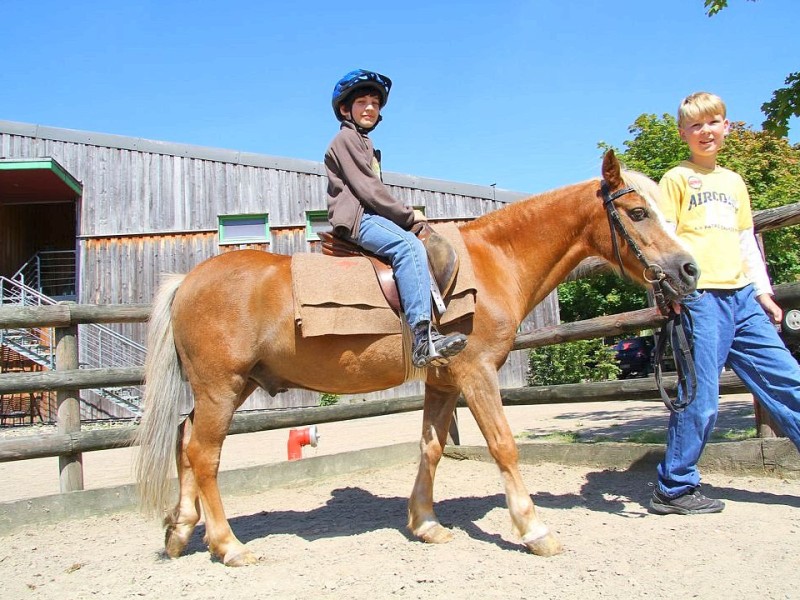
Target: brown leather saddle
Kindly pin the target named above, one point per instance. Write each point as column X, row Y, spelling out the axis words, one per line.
column 442, row 261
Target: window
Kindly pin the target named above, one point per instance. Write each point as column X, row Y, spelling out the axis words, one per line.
column 243, row 229
column 316, row 221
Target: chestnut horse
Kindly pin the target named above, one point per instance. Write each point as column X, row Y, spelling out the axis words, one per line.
column 228, row 326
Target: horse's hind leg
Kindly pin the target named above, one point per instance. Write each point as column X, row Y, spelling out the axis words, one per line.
column 436, row 418
column 210, row 427
column 181, row 521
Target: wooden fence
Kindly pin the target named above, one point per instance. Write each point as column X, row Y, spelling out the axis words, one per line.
column 69, row 441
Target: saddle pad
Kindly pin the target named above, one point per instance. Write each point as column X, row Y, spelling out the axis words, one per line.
column 341, row 296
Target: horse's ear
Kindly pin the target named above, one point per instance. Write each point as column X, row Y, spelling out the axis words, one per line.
column 611, row 170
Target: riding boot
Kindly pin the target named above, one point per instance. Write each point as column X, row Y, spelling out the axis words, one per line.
column 431, row 348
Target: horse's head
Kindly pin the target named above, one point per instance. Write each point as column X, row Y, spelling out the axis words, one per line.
column 640, row 242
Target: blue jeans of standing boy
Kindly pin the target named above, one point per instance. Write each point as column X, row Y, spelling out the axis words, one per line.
column 728, row 327
column 409, row 260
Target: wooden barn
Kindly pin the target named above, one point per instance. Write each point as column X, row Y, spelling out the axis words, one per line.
column 97, row 218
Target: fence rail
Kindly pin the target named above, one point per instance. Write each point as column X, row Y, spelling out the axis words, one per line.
column 70, row 441
column 23, row 448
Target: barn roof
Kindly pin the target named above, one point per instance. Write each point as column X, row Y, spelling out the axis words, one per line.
column 245, row 158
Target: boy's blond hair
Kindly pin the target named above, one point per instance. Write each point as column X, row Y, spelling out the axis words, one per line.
column 700, row 104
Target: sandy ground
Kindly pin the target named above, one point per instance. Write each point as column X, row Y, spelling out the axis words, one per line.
column 344, row 537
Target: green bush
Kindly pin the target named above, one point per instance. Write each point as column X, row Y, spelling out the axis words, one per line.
column 572, row 362
column 327, row 399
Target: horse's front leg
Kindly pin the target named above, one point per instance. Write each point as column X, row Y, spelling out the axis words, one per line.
column 436, row 418
column 482, row 393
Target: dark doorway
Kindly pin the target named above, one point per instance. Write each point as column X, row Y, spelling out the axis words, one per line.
column 39, row 208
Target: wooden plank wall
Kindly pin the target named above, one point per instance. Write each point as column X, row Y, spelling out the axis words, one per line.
column 14, row 250
column 152, row 207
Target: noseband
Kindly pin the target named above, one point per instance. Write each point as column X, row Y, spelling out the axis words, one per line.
column 674, row 328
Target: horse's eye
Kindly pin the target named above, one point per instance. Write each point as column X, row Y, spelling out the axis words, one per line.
column 638, row 214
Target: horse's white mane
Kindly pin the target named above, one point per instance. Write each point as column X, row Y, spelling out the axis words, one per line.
column 647, row 189
column 642, row 184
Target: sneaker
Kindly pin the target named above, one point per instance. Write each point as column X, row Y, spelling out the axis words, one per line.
column 431, row 348
column 690, row 503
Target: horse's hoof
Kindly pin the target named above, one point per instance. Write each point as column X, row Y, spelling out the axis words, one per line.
column 174, row 543
column 437, row 535
column 241, row 559
column 547, row 545
column 174, row 549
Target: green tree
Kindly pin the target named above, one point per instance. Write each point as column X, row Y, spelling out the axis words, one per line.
column 656, row 146
column 601, row 294
column 785, row 104
column 572, row 362
column 714, row 6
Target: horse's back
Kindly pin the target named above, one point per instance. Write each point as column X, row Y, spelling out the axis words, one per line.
column 227, row 277
column 228, row 298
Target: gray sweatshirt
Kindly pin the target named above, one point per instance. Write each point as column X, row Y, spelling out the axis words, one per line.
column 354, row 183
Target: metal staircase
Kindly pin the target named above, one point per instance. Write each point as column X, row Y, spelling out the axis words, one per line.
column 35, row 344
column 51, row 273
column 99, row 346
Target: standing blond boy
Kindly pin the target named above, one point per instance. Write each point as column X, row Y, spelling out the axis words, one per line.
column 730, row 311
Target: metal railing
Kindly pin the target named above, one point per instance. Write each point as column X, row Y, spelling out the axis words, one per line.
column 100, row 346
column 35, row 343
column 51, row 272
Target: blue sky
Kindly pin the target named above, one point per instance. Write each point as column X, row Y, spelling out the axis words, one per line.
column 512, row 93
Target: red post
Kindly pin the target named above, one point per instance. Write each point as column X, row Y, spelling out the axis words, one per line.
column 305, row 436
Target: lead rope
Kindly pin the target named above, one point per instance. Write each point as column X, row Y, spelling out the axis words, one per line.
column 674, row 329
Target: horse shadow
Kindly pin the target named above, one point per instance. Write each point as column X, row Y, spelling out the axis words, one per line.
column 353, row 511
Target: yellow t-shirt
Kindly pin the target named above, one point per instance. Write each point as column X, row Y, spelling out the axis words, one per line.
column 710, row 209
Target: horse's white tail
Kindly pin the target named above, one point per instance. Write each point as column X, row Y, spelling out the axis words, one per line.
column 157, row 434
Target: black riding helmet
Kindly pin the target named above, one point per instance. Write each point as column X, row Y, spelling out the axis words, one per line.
column 357, row 80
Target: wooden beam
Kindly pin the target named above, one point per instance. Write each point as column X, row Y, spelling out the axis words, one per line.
column 12, row 383
column 21, row 448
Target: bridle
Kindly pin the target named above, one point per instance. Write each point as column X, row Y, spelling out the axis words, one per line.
column 675, row 326
column 653, row 273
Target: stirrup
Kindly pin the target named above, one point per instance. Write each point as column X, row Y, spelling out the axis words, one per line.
column 433, row 356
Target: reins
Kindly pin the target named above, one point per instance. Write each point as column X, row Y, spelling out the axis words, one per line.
column 674, row 328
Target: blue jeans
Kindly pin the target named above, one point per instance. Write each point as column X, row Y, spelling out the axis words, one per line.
column 729, row 327
column 409, row 260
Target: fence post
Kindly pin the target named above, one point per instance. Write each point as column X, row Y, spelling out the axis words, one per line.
column 766, row 427
column 69, row 409
column 453, row 435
